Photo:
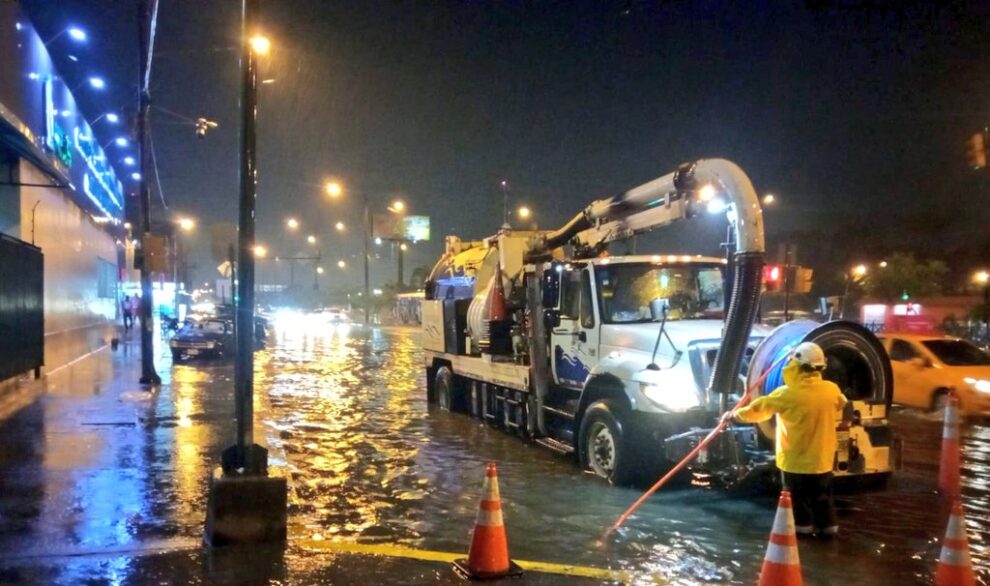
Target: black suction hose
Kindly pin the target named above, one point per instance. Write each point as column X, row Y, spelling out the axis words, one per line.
column 739, row 321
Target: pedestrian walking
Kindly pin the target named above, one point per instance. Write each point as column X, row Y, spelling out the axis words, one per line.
column 125, row 307
column 135, row 308
column 808, row 409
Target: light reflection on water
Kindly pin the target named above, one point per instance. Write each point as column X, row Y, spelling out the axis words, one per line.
column 369, row 461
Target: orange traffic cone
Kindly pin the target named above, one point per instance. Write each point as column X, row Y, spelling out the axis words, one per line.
column 488, row 558
column 498, row 311
column 954, row 566
column 781, row 566
column 948, row 473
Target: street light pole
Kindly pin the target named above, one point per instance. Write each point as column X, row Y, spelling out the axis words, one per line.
column 245, row 505
column 244, row 318
column 148, row 374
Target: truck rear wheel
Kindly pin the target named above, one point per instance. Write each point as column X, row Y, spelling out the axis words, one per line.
column 602, row 443
column 445, row 388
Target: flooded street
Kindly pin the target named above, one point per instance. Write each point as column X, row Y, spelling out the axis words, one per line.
column 371, row 462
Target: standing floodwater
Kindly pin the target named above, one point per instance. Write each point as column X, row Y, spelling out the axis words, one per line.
column 371, row 462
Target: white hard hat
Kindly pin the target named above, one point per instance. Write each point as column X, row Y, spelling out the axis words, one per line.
column 809, row 353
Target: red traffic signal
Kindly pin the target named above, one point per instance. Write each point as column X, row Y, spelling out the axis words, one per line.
column 976, row 151
column 772, row 275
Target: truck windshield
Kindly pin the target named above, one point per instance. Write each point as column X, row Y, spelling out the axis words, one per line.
column 692, row 291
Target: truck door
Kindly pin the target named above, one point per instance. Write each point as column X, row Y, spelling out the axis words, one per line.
column 574, row 343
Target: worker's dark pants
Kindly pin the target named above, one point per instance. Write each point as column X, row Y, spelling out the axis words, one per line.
column 811, row 495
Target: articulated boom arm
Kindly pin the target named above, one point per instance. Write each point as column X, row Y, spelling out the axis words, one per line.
column 663, row 201
column 665, row 210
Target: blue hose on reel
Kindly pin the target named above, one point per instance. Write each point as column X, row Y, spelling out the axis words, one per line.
column 778, row 344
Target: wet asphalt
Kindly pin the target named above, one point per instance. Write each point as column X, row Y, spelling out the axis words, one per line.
column 102, row 482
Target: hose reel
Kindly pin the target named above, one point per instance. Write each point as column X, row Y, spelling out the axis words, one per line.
column 856, row 360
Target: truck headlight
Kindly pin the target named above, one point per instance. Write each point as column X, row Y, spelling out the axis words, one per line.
column 980, row 385
column 672, row 399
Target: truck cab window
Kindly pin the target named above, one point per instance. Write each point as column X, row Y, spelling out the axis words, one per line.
column 570, row 294
column 587, row 313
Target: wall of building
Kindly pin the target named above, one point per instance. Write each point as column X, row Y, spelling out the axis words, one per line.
column 79, row 309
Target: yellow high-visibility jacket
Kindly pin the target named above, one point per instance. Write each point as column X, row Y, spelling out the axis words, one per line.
column 808, row 409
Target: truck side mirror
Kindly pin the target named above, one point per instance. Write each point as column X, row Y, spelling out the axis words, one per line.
column 551, row 318
column 551, row 285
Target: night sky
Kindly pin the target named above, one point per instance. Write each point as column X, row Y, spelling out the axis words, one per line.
column 854, row 118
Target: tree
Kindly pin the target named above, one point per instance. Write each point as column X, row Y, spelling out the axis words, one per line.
column 905, row 274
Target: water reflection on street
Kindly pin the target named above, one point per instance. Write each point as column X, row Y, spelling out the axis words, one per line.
column 371, row 462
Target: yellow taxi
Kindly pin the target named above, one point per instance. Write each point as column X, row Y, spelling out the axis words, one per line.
column 927, row 367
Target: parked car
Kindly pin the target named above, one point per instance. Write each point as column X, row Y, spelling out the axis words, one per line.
column 928, row 367
column 204, row 338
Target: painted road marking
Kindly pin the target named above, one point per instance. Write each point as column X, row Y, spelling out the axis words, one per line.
column 399, row 551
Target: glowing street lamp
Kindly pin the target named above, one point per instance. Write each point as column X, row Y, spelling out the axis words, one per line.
column 260, row 44
column 981, row 277
column 769, row 199
column 120, row 141
column 883, row 264
column 397, row 207
column 859, row 271
column 186, row 224
column 319, row 270
column 524, row 212
column 292, row 223
column 260, row 251
column 403, row 247
column 97, row 83
column 341, row 264
column 334, row 189
column 340, row 226
column 129, row 161
column 311, row 239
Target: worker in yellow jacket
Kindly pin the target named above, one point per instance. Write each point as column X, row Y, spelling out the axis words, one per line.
column 808, row 409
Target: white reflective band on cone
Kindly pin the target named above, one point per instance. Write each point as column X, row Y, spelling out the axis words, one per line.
column 782, row 554
column 954, row 557
column 489, row 518
column 951, row 428
column 783, row 522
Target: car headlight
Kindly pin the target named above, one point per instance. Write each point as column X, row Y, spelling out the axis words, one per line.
column 671, row 399
column 978, row 384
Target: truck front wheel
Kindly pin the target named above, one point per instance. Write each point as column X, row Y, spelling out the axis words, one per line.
column 602, row 443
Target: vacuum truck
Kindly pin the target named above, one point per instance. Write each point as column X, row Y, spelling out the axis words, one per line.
column 627, row 361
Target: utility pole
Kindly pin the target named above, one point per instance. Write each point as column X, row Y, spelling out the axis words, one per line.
column 368, row 230
column 505, row 205
column 244, row 303
column 245, row 505
column 146, row 17
column 399, row 281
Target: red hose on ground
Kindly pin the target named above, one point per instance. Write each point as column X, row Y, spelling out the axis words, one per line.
column 691, row 455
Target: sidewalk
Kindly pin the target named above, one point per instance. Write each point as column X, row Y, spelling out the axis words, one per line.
column 103, row 482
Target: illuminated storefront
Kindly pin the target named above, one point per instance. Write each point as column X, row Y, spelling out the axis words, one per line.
column 59, row 192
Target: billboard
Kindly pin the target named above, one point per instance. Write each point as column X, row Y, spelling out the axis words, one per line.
column 394, row 227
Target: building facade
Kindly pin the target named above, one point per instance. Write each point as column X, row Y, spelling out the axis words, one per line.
column 59, row 195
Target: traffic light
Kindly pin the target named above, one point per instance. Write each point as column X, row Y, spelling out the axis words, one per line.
column 976, row 151
column 772, row 276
